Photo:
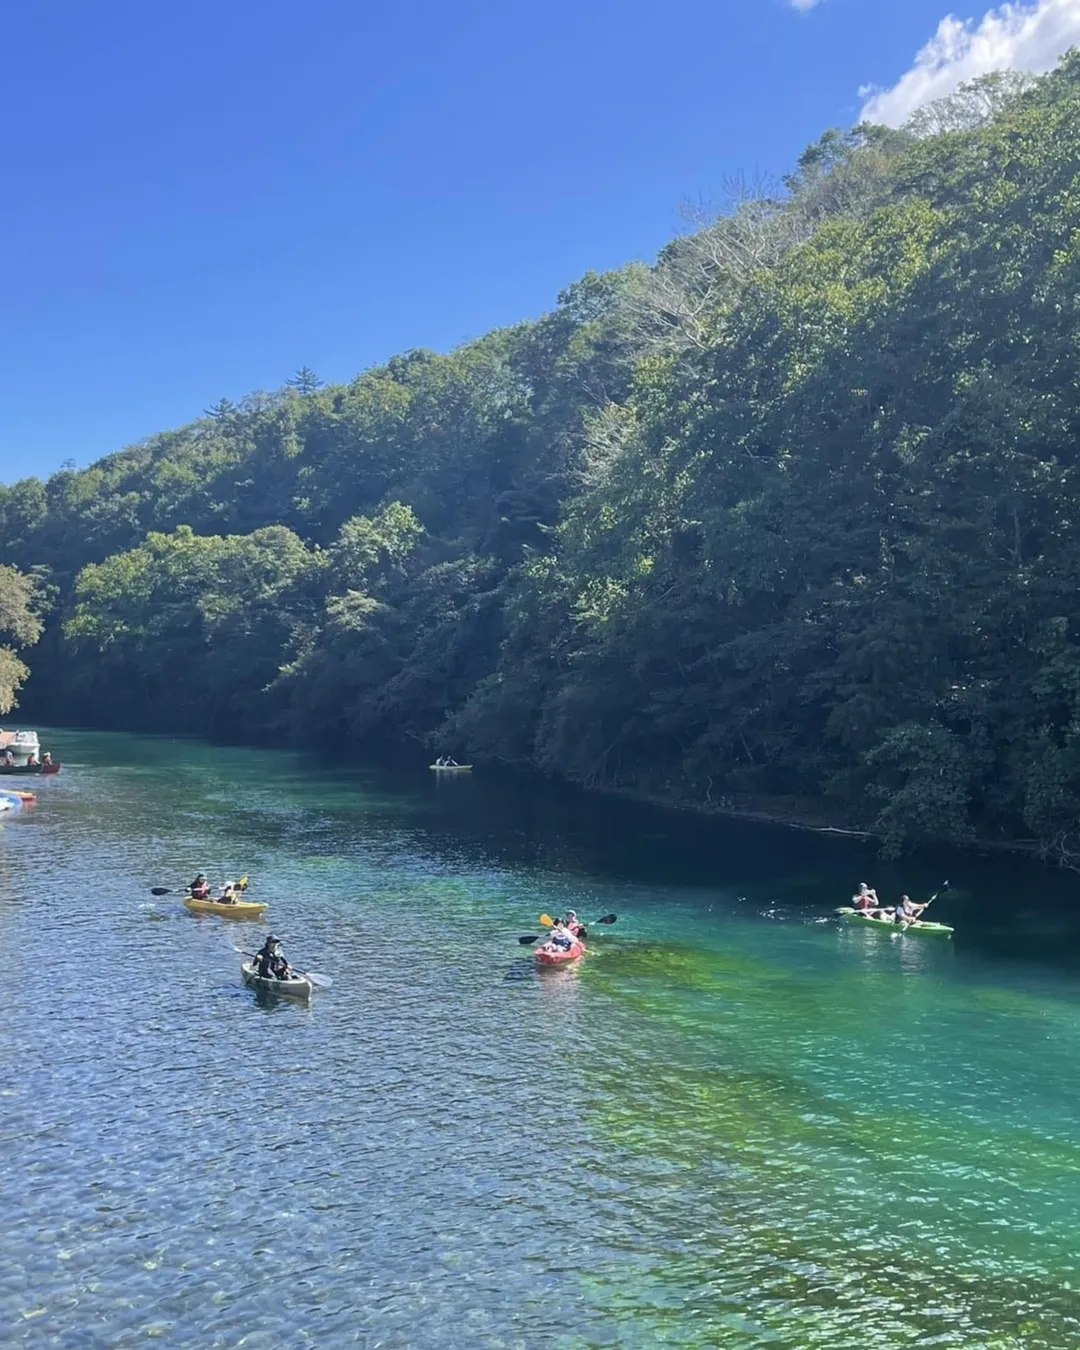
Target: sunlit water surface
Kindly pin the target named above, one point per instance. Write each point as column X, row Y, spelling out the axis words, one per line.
column 736, row 1124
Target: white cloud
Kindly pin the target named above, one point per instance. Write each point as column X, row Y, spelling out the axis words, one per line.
column 804, row 5
column 1031, row 37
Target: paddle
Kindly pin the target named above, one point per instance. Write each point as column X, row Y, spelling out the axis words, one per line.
column 549, row 922
column 943, row 887
column 529, row 938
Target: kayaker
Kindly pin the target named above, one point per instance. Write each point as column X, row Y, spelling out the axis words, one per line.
column 228, row 894
column 907, row 911
column 270, row 960
column 866, row 899
column 46, row 758
column 573, row 924
column 199, row 888
column 561, row 936
column 264, row 956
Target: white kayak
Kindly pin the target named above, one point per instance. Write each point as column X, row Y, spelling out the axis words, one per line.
column 296, row 986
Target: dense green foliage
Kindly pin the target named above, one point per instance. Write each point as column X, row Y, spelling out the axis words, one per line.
column 20, row 623
column 796, row 510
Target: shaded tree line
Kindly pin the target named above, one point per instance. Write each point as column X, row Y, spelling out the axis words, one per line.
column 794, row 510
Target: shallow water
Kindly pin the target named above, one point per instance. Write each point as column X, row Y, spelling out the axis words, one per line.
column 737, row 1124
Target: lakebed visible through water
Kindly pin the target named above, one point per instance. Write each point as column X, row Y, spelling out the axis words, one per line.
column 736, row 1124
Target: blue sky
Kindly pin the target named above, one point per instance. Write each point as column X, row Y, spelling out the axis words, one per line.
column 200, row 198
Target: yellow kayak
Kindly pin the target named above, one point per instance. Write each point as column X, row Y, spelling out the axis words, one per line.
column 239, row 909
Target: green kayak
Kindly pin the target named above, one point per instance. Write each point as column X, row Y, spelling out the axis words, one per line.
column 919, row 926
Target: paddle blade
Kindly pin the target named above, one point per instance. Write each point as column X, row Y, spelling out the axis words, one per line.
column 159, row 890
column 529, row 939
column 608, row 918
column 547, row 920
column 319, row 981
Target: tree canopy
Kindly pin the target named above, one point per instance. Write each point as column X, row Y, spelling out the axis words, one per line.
column 19, row 621
column 794, row 510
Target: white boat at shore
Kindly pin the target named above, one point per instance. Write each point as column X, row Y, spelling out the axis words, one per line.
column 24, row 746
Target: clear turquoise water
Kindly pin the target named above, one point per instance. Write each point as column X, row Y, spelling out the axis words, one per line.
column 737, row 1124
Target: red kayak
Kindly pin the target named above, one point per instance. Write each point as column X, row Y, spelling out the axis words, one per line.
column 550, row 956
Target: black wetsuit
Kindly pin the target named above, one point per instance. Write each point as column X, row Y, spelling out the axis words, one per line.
column 271, row 966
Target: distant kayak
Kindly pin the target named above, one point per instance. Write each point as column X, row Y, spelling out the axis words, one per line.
column 296, row 986
column 550, row 956
column 240, row 909
column 451, row 768
column 919, row 926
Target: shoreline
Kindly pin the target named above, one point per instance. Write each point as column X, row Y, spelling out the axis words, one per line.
column 812, row 816
column 790, row 813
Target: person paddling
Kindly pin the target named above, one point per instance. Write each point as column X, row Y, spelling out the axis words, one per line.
column 865, row 899
column 907, row 911
column 561, row 939
column 573, row 924
column 270, row 960
column 200, row 888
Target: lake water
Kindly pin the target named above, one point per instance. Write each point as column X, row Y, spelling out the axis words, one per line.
column 736, row 1124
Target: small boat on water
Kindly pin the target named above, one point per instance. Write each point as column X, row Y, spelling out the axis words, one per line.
column 451, row 768
column 236, row 909
column 295, row 986
column 917, row 926
column 25, row 751
column 547, row 955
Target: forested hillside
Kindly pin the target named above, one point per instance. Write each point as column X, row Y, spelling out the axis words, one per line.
column 796, row 510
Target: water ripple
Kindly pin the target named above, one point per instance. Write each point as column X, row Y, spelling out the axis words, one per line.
column 739, row 1134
